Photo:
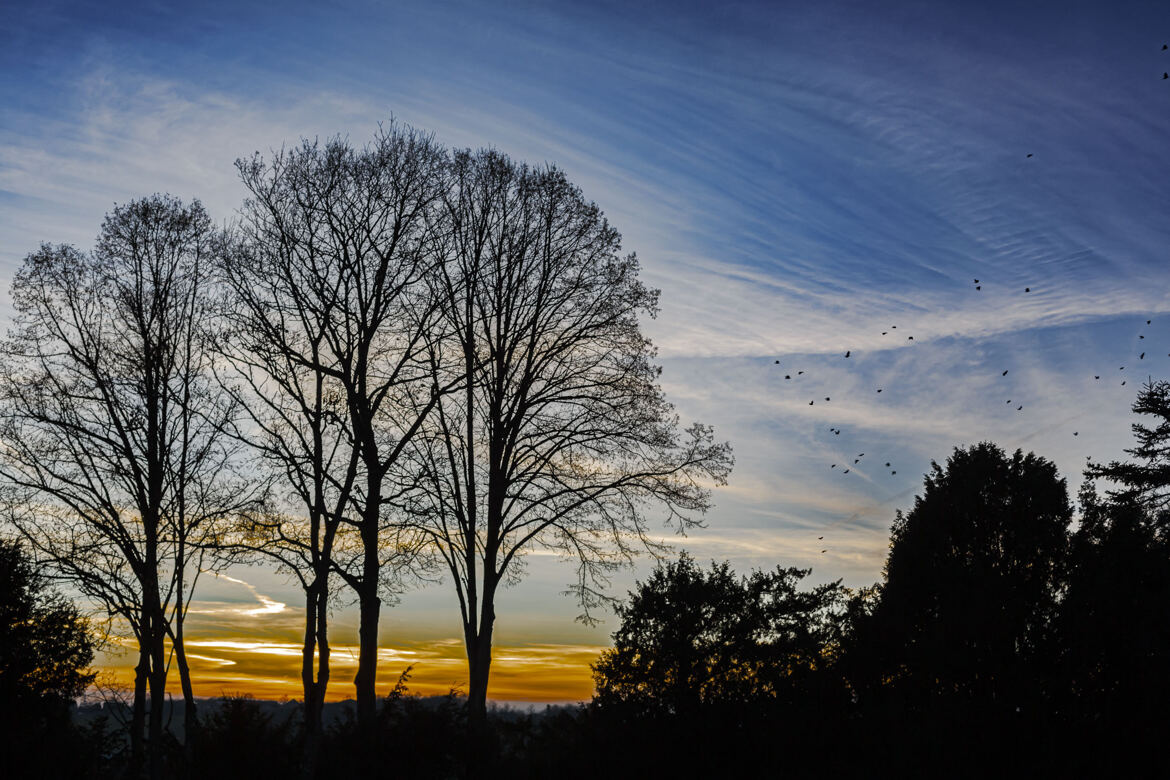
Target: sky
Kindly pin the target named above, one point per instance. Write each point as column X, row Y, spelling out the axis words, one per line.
column 800, row 180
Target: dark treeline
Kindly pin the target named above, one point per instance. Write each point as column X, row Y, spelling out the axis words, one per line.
column 1009, row 636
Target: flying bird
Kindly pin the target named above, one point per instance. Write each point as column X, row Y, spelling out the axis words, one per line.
column 826, row 398
column 1029, row 154
column 1004, row 373
column 1098, row 376
column 978, row 287
column 909, row 338
column 820, row 538
column 1076, row 433
column 810, row 403
column 788, row 376
column 777, row 362
column 1027, row 289
column 879, row 389
column 893, row 472
column 846, row 471
column 1019, row 408
column 823, row 552
column 847, row 352
column 1142, row 356
column 887, row 465
column 1147, row 322
column 1123, row 384
column 798, row 373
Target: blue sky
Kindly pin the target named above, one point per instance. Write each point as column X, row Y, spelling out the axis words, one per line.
column 797, row 178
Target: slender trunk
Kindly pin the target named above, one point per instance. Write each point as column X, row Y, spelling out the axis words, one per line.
column 479, row 663
column 316, row 648
column 481, row 754
column 138, row 716
column 158, row 694
column 190, row 713
column 369, row 606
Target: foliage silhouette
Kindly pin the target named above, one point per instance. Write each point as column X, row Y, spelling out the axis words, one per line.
column 1148, row 479
column 45, row 651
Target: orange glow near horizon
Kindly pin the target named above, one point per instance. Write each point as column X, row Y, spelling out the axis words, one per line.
column 266, row 669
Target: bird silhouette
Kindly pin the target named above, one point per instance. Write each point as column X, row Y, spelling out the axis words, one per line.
column 1141, row 336
column 893, row 472
column 777, row 362
column 1166, row 75
column 909, row 338
column 879, row 389
column 798, row 373
column 1004, row 373
column 978, row 287
column 1147, row 322
column 846, row 471
column 1029, row 154
column 976, row 281
column 788, row 376
column 1123, row 384
column 847, row 352
column 819, row 538
column 1019, row 408
column 1163, row 47
column 823, row 552
column 826, row 398
column 884, row 332
column 857, row 460
column 862, row 455
column 1142, row 356
column 1076, row 433
column 887, row 465
column 833, row 466
column 1096, row 376
column 1027, row 289
column 810, row 403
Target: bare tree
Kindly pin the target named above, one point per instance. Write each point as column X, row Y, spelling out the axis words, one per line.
column 115, row 465
column 333, row 318
column 561, row 438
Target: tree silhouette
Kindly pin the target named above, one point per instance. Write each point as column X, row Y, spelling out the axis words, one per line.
column 560, row 437
column 691, row 638
column 1148, row 479
column 1112, row 647
column 332, row 317
column 115, row 467
column 971, row 582
column 45, row 652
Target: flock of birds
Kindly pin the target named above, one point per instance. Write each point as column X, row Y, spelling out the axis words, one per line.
column 846, row 467
column 836, row 431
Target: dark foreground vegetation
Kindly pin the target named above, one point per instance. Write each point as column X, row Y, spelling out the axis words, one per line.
column 1005, row 639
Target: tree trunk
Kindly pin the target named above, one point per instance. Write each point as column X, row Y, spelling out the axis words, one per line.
column 190, row 714
column 480, row 749
column 364, row 681
column 138, row 716
column 158, row 695
column 316, row 649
